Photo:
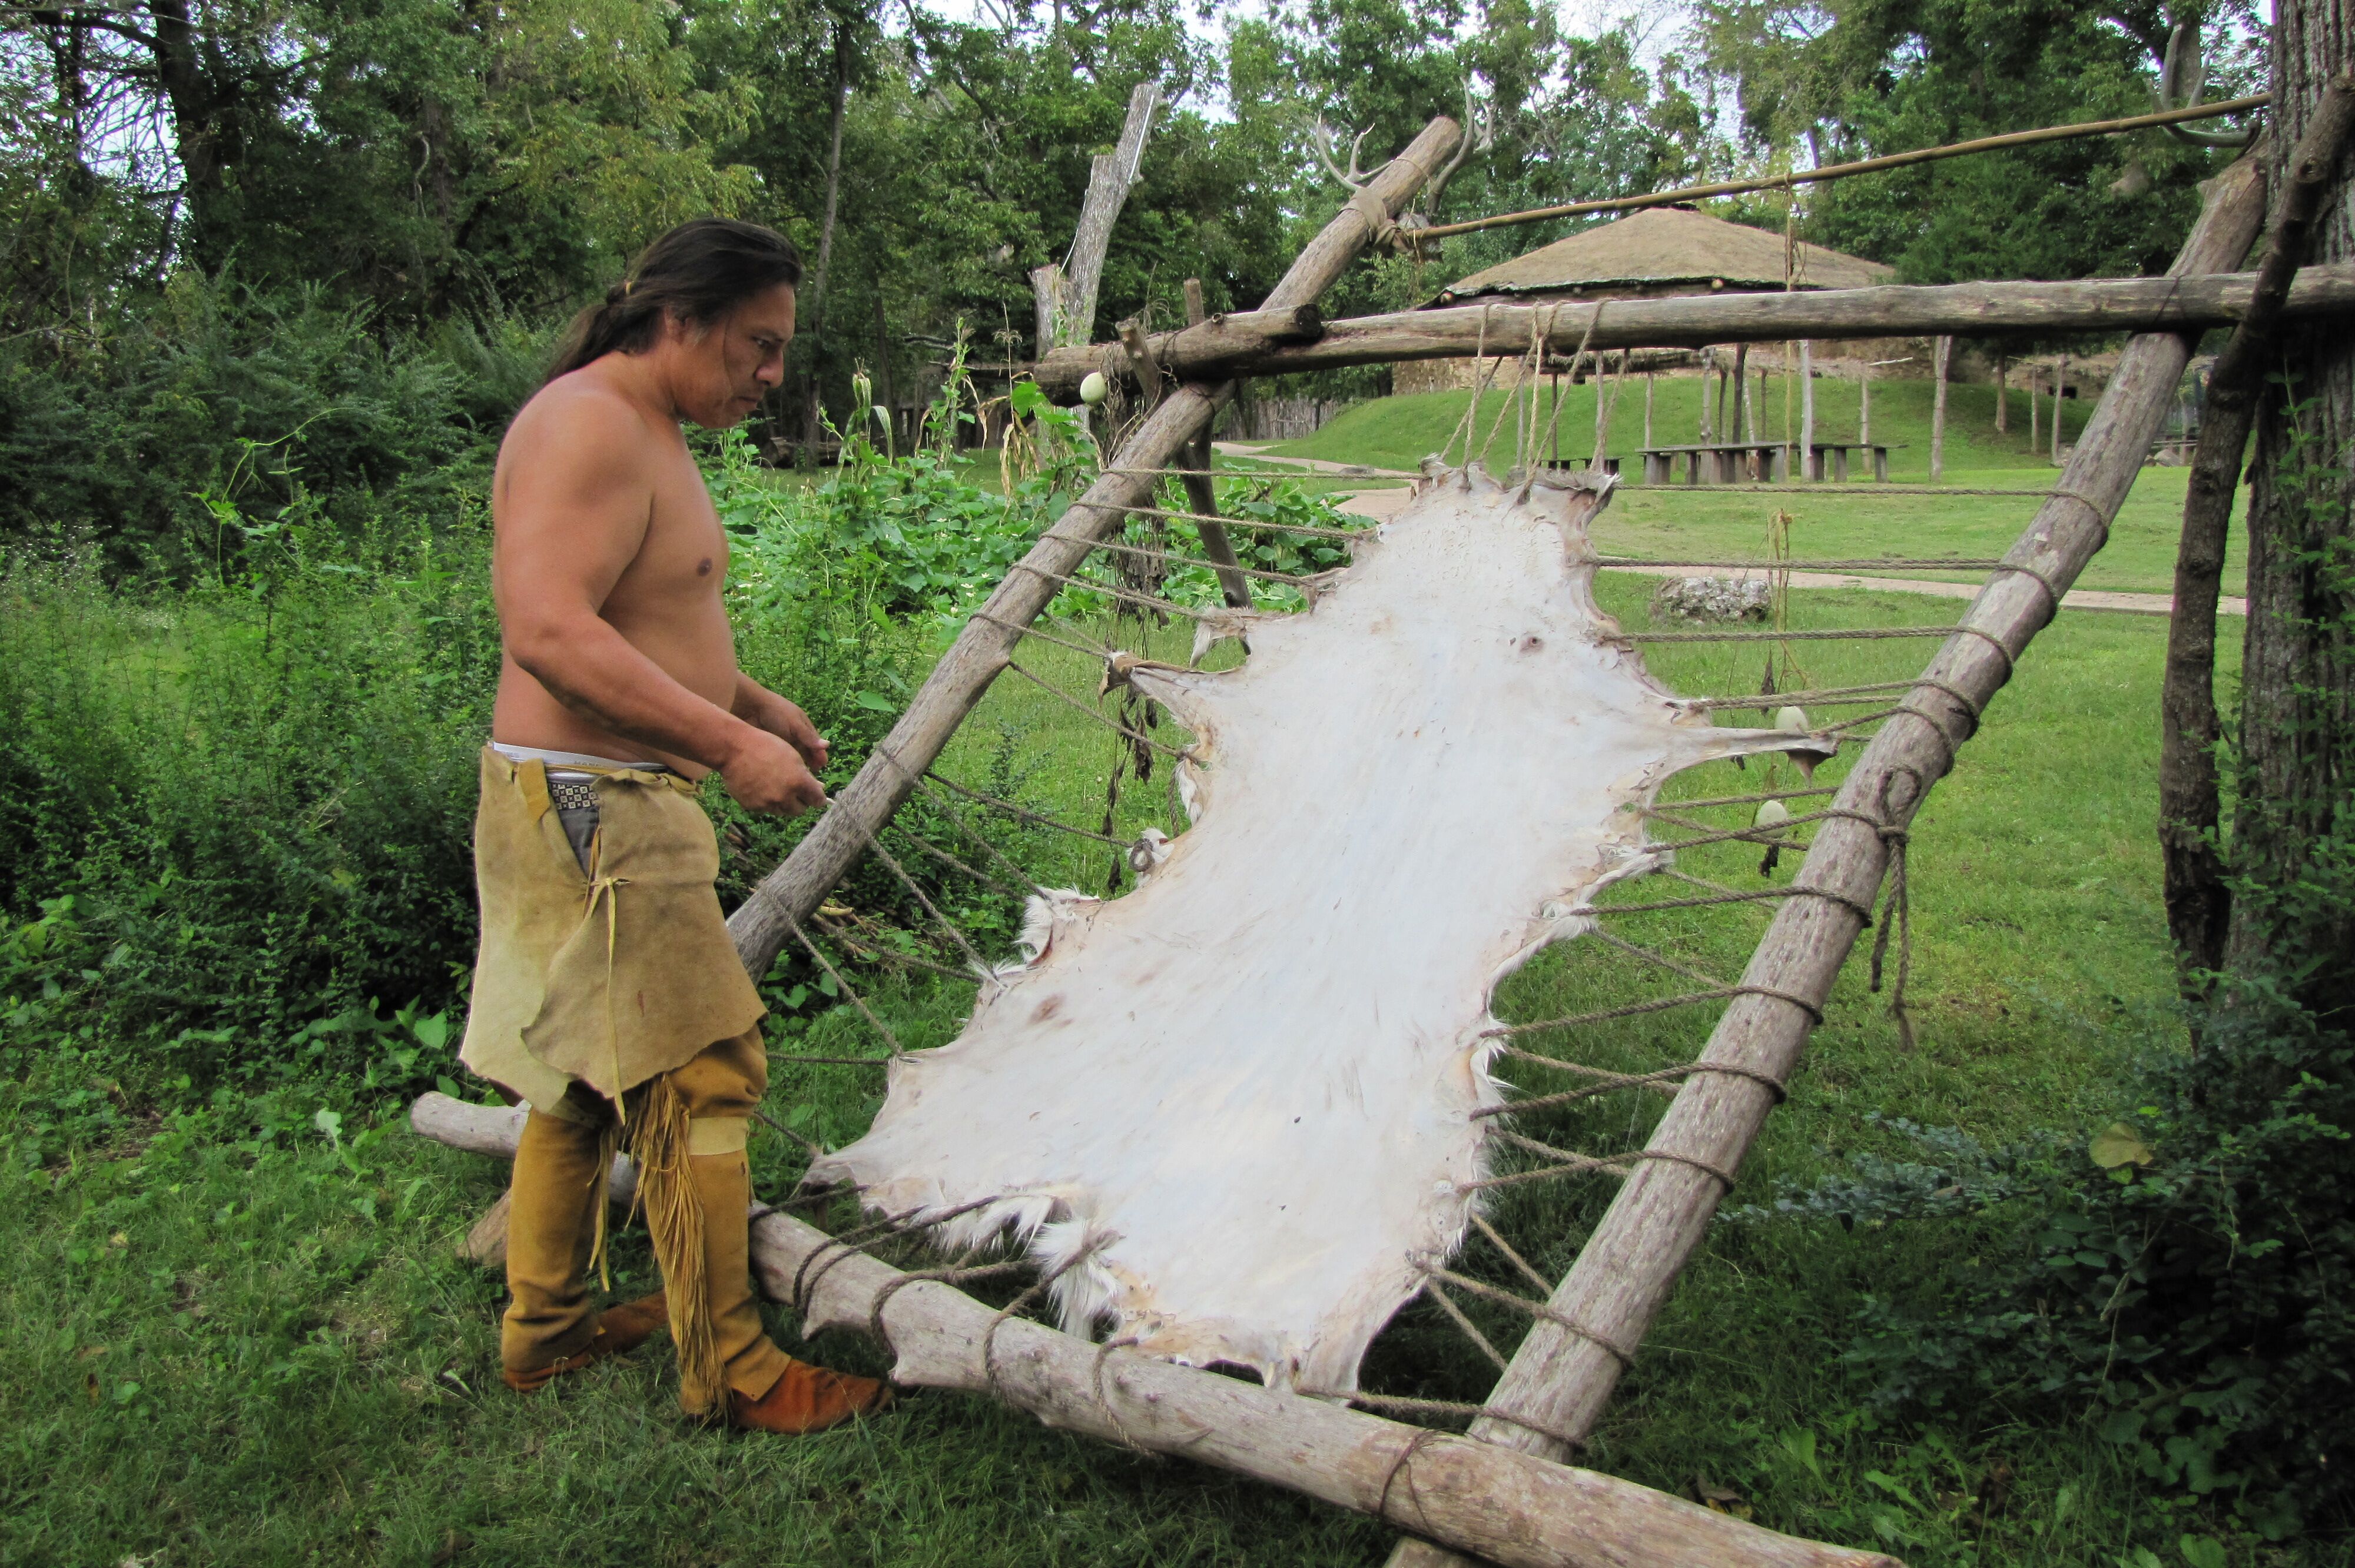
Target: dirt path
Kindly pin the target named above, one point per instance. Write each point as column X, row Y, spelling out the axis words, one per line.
column 1387, row 503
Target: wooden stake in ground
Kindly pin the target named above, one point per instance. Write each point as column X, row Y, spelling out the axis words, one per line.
column 1559, row 1380
column 2034, row 375
column 1647, row 408
column 1938, row 354
column 2198, row 906
column 765, row 921
column 1202, row 492
column 2003, row 392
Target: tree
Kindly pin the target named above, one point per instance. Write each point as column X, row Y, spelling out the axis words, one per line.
column 2292, row 855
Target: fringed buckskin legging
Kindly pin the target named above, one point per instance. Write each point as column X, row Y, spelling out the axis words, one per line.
column 685, row 1130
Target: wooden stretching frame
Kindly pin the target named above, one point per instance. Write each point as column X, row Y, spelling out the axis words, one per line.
column 1502, row 1492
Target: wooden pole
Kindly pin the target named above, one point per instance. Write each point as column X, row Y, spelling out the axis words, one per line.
column 1864, row 406
column 1510, row 1507
column 1203, row 491
column 1626, row 1270
column 2003, row 392
column 1807, row 467
column 1939, row 354
column 1258, row 344
column 2060, row 390
column 1745, row 417
column 1865, row 166
column 2190, row 813
column 764, row 921
column 1647, row 408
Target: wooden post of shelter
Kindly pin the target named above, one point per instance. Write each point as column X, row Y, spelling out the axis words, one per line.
column 1557, row 1380
column 1203, row 491
column 787, row 895
column 1809, row 466
column 1940, row 353
column 2060, row 390
column 2031, row 378
column 2003, row 392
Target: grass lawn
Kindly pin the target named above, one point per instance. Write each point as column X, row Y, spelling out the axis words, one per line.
column 1680, row 522
column 242, row 1337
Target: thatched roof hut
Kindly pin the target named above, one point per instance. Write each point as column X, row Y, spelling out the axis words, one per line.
column 1663, row 250
column 1648, row 254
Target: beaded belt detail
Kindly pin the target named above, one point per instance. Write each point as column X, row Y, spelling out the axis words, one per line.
column 573, row 794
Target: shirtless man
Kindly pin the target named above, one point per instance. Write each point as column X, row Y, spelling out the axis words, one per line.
column 607, row 993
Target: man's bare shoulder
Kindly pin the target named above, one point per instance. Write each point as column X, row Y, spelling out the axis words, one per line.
column 582, row 425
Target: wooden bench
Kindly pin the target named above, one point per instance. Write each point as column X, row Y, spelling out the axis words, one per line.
column 1717, row 463
column 1610, row 465
column 1840, row 451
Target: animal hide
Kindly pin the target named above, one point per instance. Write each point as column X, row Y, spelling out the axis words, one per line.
column 1229, row 1111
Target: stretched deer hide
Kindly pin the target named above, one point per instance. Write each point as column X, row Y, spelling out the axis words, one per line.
column 1231, row 1110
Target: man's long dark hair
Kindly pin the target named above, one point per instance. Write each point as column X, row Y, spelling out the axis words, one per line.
column 696, row 273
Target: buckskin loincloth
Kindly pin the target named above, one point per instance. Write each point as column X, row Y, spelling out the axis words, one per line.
column 606, row 976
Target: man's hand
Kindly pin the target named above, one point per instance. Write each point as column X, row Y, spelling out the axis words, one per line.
column 758, row 705
column 765, row 773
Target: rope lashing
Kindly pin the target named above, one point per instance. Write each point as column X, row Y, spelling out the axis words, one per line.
column 981, row 966
column 1541, row 1310
column 1093, row 585
column 1098, row 651
column 1791, row 890
column 1179, row 753
column 1407, row 1406
column 1934, row 563
column 1446, row 1304
column 848, row 989
column 1025, row 814
column 956, row 1274
column 1742, row 800
column 1582, row 1164
column 855, row 1241
column 1314, row 531
column 1030, row 1293
column 881, row 955
column 921, row 781
column 1515, row 1258
column 953, row 863
column 809, row 1145
column 1167, row 558
column 1611, row 1082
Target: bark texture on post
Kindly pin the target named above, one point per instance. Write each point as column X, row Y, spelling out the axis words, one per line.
column 1559, row 1380
column 1067, row 301
column 762, row 924
column 2198, row 906
column 2296, row 797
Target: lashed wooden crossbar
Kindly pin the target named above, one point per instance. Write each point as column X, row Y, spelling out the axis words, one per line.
column 1243, row 344
column 1509, row 1507
column 1560, row 1378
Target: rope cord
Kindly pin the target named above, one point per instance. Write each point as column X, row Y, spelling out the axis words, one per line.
column 1440, row 1407
column 1933, row 563
column 848, row 989
column 836, row 935
column 1541, row 1310
column 950, row 861
column 1097, row 651
column 1096, row 586
column 1582, row 1164
column 1446, row 1303
column 1098, row 714
column 1800, row 699
column 1744, row 799
column 1170, row 557
column 921, row 781
column 956, row 935
column 1010, row 809
column 1312, row 530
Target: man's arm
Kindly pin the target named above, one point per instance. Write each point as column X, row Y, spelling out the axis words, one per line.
column 572, row 513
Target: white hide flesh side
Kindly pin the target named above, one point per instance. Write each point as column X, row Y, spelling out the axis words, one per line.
column 1233, row 1106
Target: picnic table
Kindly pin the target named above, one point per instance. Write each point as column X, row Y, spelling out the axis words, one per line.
column 1717, row 463
column 1840, row 451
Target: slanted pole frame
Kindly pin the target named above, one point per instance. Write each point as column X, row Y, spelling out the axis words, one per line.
column 1203, row 491
column 1559, row 1380
column 788, row 895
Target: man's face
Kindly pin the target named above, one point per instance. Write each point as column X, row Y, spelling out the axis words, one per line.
column 735, row 361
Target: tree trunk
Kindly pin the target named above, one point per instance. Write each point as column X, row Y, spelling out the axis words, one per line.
column 2293, row 920
column 2199, row 903
column 1066, row 302
column 813, row 290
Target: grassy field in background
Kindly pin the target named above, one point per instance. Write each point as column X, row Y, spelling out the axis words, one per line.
column 264, row 1350
column 1682, row 522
